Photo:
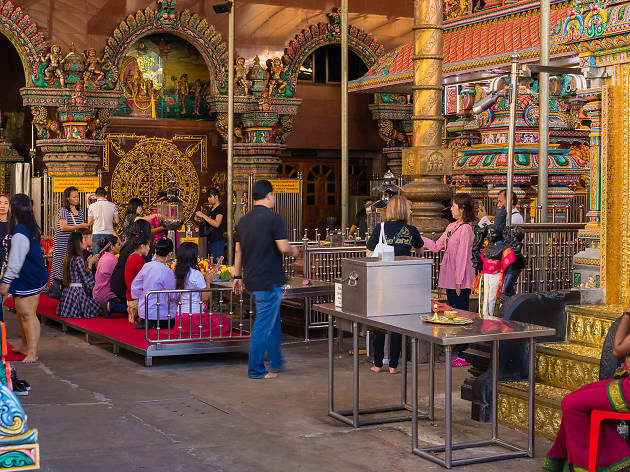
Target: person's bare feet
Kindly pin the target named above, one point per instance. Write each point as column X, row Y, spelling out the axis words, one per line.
column 30, row 358
column 376, row 369
column 270, row 375
column 20, row 350
column 394, row 370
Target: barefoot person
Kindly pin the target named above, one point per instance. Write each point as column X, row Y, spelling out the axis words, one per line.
column 261, row 240
column 26, row 275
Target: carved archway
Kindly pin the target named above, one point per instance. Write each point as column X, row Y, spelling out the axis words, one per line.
column 322, row 34
column 187, row 25
column 22, row 32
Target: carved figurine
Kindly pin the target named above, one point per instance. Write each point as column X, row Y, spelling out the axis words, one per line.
column 277, row 85
column 500, row 263
column 240, row 79
column 244, row 203
column 196, row 93
column 182, row 93
column 55, row 62
column 264, row 103
column 78, row 97
column 93, row 72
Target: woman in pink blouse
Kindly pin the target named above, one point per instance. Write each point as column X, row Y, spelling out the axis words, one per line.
column 456, row 271
column 102, row 291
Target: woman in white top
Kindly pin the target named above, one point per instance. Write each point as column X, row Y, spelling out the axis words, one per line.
column 192, row 306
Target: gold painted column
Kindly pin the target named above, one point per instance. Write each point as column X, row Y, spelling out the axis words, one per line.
column 427, row 161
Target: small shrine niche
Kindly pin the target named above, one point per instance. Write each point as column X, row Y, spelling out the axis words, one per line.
column 164, row 76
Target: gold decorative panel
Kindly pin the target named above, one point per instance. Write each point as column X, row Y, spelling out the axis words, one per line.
column 145, row 169
column 564, row 372
column 512, row 411
column 616, row 183
column 587, row 330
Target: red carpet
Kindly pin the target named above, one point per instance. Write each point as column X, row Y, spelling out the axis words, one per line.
column 11, row 355
column 117, row 328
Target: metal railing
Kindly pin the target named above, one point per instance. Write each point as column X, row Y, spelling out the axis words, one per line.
column 215, row 320
column 548, row 249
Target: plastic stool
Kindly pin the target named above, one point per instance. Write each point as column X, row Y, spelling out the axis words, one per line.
column 597, row 416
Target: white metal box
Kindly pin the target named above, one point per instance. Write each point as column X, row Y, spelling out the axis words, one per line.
column 372, row 287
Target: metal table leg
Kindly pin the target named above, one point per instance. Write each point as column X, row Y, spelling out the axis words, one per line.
column 403, row 371
column 448, row 407
column 530, row 399
column 431, row 381
column 331, row 365
column 514, row 451
column 355, row 374
column 414, row 394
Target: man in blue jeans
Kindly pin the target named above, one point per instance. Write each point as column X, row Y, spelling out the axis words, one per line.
column 261, row 240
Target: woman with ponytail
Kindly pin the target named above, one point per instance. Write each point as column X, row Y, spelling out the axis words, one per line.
column 212, row 226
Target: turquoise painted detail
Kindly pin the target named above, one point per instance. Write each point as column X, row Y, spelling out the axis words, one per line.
column 15, row 459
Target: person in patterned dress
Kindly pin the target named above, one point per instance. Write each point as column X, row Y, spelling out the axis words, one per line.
column 70, row 218
column 76, row 298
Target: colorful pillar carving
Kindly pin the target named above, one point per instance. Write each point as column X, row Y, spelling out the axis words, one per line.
column 427, row 161
column 393, row 114
column 587, row 263
column 71, row 122
column 19, row 449
column 263, row 119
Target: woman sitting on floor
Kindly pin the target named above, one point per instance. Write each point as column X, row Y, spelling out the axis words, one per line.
column 76, row 298
column 102, row 290
column 571, row 447
column 189, row 277
column 155, row 275
column 136, row 260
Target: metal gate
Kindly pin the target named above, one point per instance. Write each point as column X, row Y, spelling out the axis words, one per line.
column 288, row 202
column 48, row 202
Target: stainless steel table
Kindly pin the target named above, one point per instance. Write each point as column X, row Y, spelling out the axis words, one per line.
column 295, row 288
column 481, row 330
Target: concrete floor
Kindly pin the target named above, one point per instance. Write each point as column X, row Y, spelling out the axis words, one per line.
column 96, row 412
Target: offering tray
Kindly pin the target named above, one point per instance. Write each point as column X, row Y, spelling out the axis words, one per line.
column 446, row 321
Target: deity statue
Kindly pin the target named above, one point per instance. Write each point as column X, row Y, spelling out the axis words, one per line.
column 93, row 72
column 264, row 103
column 240, row 79
column 182, row 93
column 55, row 61
column 500, row 263
column 244, row 204
column 277, row 85
column 78, row 97
column 196, row 93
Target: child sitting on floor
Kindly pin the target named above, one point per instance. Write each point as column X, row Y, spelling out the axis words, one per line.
column 155, row 275
column 102, row 293
column 189, row 277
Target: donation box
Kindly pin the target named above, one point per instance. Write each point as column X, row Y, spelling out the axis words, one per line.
column 371, row 287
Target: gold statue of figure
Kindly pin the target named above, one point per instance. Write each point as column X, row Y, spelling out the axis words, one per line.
column 196, row 93
column 276, row 84
column 55, row 61
column 240, row 73
column 93, row 71
column 182, row 92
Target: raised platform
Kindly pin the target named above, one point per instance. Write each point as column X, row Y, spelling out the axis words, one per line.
column 561, row 368
column 122, row 335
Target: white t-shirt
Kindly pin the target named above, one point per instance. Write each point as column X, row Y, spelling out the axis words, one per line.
column 103, row 211
column 516, row 216
column 194, row 280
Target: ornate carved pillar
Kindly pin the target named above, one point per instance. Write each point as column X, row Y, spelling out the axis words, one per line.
column 427, row 161
column 393, row 114
column 263, row 119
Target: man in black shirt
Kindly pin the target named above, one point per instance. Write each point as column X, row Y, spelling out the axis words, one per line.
column 261, row 240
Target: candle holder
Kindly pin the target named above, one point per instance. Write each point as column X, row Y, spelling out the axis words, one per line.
column 436, row 316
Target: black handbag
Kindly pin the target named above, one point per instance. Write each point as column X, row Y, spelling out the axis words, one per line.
column 55, row 289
